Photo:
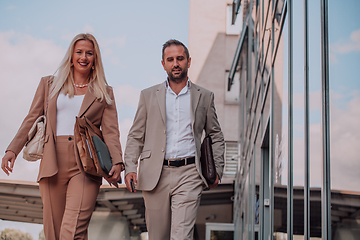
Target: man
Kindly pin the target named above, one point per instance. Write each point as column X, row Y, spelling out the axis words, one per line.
column 166, row 135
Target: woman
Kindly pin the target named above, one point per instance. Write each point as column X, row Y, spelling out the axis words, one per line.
column 79, row 89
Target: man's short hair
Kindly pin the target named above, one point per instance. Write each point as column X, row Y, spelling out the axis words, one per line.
column 177, row 43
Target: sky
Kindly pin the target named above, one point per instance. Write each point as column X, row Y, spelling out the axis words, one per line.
column 34, row 36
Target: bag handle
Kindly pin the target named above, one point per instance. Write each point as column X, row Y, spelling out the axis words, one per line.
column 47, row 94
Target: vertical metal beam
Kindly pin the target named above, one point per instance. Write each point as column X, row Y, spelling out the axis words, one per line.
column 272, row 124
column 250, row 22
column 262, row 180
column 306, row 126
column 290, row 193
column 325, row 123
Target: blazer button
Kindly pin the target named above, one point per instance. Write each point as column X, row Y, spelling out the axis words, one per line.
column 70, row 138
column 162, row 150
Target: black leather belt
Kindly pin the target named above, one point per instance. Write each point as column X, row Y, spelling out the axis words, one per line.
column 179, row 162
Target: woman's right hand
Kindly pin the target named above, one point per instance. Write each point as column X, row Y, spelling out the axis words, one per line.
column 9, row 157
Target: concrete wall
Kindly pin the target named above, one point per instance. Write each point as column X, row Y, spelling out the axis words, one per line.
column 212, row 51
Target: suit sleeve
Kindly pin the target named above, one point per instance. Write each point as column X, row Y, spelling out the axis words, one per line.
column 36, row 110
column 110, row 130
column 213, row 129
column 136, row 137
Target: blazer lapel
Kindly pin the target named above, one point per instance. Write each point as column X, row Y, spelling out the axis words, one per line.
column 89, row 98
column 194, row 99
column 51, row 113
column 160, row 94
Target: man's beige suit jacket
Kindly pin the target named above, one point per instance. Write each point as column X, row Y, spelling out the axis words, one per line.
column 147, row 136
column 99, row 113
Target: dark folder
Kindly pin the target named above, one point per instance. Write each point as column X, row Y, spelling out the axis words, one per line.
column 103, row 155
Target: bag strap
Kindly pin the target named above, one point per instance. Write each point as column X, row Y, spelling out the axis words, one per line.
column 47, row 94
column 96, row 130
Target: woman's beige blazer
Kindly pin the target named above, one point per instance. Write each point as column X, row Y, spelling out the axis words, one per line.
column 147, row 136
column 99, row 113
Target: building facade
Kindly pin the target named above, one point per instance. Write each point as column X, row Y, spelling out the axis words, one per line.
column 298, row 175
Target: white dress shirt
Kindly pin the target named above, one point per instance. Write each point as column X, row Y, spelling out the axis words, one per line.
column 66, row 111
column 179, row 136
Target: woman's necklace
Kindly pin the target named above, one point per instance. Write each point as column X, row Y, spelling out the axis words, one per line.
column 81, row 85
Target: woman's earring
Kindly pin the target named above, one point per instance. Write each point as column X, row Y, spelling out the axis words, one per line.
column 93, row 67
column 71, row 64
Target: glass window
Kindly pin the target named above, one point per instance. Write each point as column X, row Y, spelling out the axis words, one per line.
column 315, row 140
column 280, row 137
column 344, row 40
column 298, row 118
column 232, row 96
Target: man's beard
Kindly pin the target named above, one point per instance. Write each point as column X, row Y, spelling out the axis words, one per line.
column 179, row 78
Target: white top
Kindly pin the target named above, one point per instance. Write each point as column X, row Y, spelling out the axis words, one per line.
column 67, row 109
column 179, row 136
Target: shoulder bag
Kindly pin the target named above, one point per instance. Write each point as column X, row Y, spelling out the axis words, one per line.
column 93, row 152
column 34, row 147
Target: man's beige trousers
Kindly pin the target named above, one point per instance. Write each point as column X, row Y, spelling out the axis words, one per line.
column 171, row 208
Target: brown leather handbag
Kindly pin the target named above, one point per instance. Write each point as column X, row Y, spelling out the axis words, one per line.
column 207, row 160
column 84, row 132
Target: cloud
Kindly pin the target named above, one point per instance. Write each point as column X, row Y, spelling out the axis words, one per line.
column 314, row 100
column 125, row 126
column 115, row 41
column 333, row 58
column 109, row 48
column 344, row 144
column 70, row 35
column 88, row 29
column 114, row 60
column 126, row 95
column 11, row 7
column 348, row 45
column 24, row 60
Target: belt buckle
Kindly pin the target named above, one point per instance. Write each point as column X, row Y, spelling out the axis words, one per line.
column 168, row 163
column 177, row 163
column 185, row 161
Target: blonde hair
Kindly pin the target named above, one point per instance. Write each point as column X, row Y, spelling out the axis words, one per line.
column 63, row 81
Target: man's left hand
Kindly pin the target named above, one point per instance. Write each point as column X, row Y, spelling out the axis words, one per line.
column 215, row 183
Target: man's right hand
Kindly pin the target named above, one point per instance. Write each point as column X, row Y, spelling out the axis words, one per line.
column 8, row 158
column 131, row 176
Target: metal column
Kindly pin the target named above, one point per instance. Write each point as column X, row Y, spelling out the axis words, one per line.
column 290, row 193
column 325, row 123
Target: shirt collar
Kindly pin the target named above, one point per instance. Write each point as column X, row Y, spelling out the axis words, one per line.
column 167, row 83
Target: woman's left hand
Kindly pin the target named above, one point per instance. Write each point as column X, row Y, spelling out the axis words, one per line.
column 115, row 174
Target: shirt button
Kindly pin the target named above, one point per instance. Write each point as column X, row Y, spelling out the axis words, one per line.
column 162, row 150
